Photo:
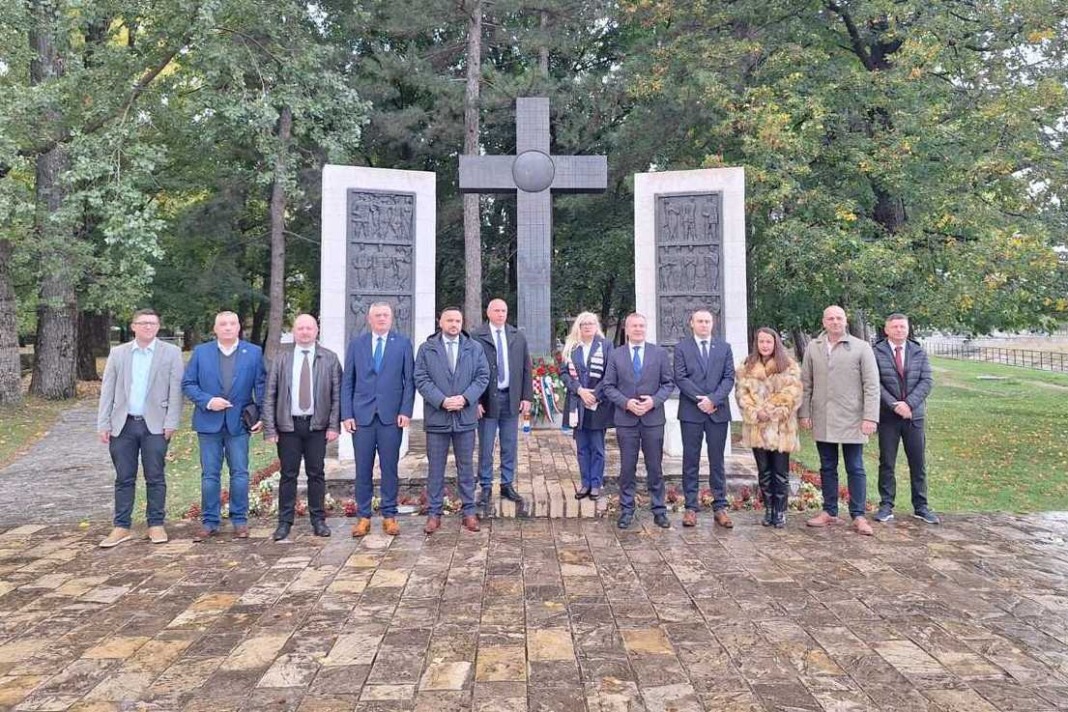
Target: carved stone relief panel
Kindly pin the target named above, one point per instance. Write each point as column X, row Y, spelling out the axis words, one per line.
column 689, row 264
column 380, row 257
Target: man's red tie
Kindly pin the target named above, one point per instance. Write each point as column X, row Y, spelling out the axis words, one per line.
column 899, row 364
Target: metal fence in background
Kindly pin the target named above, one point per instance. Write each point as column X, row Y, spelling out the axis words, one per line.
column 1024, row 358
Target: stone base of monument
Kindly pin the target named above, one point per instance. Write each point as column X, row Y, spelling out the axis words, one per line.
column 547, row 476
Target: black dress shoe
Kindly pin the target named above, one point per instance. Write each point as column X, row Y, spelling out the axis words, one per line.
column 508, row 492
column 485, row 497
column 583, row 493
column 282, row 532
column 320, row 529
column 625, row 520
column 661, row 520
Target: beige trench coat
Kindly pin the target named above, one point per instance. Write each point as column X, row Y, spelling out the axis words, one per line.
column 841, row 391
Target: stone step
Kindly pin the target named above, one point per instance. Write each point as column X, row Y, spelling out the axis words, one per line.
column 547, row 475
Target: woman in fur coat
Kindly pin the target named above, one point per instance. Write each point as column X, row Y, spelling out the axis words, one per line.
column 768, row 390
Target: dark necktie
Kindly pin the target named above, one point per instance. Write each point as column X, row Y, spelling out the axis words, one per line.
column 502, row 381
column 704, row 352
column 304, row 397
column 899, row 364
column 378, row 355
column 637, row 363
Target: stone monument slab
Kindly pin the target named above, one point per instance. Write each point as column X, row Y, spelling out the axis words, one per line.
column 533, row 174
column 378, row 244
column 689, row 254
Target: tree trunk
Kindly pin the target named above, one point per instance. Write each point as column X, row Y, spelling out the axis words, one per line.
column 190, row 337
column 276, row 291
column 472, row 221
column 800, row 339
column 10, row 368
column 94, row 341
column 57, row 312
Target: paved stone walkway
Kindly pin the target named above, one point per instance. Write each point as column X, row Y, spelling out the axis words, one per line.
column 557, row 615
column 67, row 476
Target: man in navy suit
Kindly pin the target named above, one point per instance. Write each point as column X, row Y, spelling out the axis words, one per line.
column 507, row 397
column 451, row 373
column 377, row 397
column 905, row 381
column 704, row 373
column 638, row 381
column 222, row 378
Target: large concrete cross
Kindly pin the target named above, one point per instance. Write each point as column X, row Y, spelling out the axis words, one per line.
column 533, row 174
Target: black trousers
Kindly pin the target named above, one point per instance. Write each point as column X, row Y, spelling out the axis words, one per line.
column 773, row 472
column 309, row 445
column 894, row 429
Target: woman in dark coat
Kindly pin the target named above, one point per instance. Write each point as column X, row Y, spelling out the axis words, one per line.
column 585, row 355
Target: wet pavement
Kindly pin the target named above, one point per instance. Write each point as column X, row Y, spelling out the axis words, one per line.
column 542, row 614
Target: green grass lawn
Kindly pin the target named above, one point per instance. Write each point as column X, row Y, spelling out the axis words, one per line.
column 183, row 469
column 991, row 444
column 23, row 425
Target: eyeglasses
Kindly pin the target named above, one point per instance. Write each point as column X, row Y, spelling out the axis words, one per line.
column 146, row 323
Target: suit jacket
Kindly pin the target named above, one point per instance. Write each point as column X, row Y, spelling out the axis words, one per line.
column 278, row 396
column 163, row 400
column 520, row 382
column 365, row 393
column 918, row 378
column 202, row 382
column 695, row 379
column 655, row 381
column 840, row 391
column 599, row 419
column 436, row 382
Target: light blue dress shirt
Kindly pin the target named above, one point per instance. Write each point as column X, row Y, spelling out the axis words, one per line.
column 140, row 369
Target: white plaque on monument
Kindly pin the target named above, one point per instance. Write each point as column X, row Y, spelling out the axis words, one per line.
column 689, row 254
column 378, row 244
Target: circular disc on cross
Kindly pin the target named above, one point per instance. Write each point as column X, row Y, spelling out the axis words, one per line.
column 533, row 171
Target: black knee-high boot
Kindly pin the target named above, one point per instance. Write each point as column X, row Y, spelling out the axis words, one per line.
column 781, row 486
column 764, row 479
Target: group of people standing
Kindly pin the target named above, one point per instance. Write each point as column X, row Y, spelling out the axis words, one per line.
column 475, row 388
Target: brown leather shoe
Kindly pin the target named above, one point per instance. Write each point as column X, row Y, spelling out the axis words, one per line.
column 390, row 526
column 689, row 519
column 240, row 531
column 471, row 524
column 432, row 524
column 823, row 520
column 362, row 527
column 203, row 533
column 723, row 519
column 861, row 526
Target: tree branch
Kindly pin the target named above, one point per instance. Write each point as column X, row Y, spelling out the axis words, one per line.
column 854, row 35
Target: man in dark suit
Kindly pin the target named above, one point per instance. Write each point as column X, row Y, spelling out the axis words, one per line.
column 301, row 414
column 377, row 397
column 222, row 378
column 638, row 381
column 451, row 373
column 507, row 397
column 904, row 383
column 140, row 408
column 704, row 373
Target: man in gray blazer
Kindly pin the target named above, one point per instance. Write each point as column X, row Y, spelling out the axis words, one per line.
column 450, row 373
column 638, row 381
column 140, row 408
column 301, row 414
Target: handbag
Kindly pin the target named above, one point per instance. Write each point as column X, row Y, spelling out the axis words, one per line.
column 250, row 415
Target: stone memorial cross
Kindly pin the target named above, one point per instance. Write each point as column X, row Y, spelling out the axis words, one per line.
column 533, row 173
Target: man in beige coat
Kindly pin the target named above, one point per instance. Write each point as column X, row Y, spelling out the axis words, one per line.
column 840, row 406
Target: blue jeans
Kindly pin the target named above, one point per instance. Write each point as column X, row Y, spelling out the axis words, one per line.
column 124, row 447
column 589, row 446
column 488, row 429
column 853, row 453
column 213, row 446
column 384, row 439
column 437, row 453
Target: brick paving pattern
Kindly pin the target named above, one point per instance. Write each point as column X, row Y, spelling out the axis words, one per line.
column 543, row 614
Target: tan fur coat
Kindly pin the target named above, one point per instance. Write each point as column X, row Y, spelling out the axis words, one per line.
column 761, row 386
